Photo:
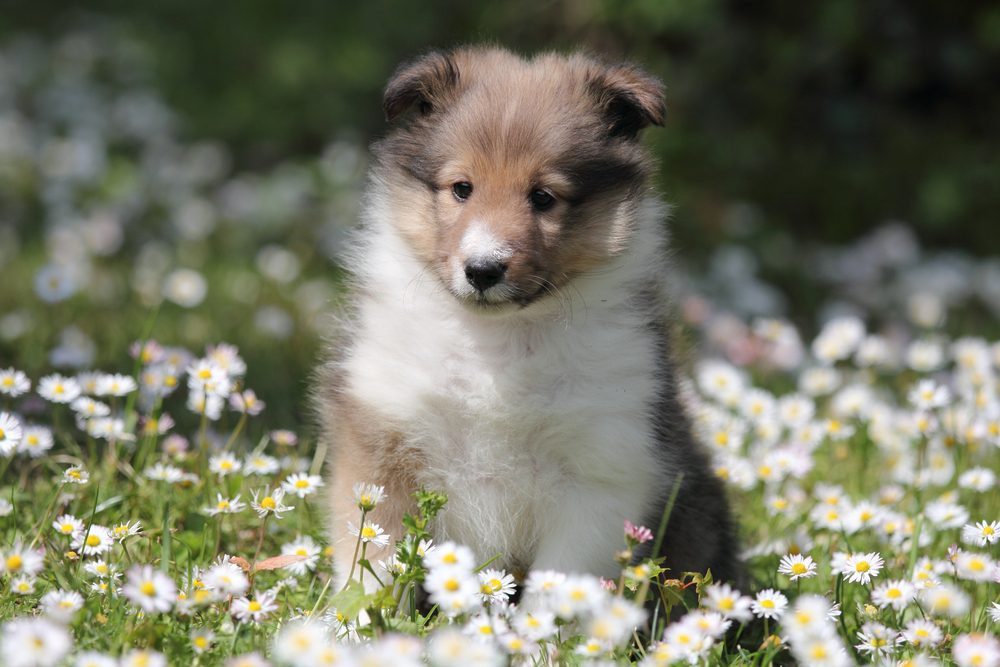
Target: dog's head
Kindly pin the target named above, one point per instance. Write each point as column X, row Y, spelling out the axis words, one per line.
column 509, row 176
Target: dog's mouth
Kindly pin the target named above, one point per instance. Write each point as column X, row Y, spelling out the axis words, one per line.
column 502, row 297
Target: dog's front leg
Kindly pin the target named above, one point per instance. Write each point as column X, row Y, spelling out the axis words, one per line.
column 583, row 531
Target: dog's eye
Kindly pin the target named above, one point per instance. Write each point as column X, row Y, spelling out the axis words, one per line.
column 541, row 200
column 462, row 190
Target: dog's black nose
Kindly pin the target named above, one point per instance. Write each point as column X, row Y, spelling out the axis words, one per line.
column 484, row 273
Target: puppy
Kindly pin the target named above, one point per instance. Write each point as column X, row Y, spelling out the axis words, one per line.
column 507, row 343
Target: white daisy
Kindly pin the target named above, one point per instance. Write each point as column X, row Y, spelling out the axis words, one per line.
column 224, row 464
column 797, row 566
column 368, row 496
column 36, row 441
column 897, row 593
column 769, row 603
column 302, row 484
column 303, row 546
column 370, row 533
column 254, row 609
column 269, row 502
column 862, row 567
column 149, row 589
column 34, row 642
column 58, row 389
column 14, row 383
column 10, row 433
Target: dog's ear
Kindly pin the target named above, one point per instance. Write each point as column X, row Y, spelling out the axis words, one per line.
column 425, row 82
column 630, row 99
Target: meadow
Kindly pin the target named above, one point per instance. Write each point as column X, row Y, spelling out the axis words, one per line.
column 161, row 491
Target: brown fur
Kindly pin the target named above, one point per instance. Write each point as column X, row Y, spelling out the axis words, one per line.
column 563, row 124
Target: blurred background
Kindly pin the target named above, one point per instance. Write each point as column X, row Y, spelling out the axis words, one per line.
column 203, row 162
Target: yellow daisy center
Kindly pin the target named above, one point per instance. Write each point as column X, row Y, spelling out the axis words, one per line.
column 268, row 503
column 93, row 541
column 14, row 562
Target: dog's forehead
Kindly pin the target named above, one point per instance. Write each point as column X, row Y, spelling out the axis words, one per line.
column 522, row 111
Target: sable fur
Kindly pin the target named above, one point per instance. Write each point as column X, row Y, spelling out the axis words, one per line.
column 545, row 407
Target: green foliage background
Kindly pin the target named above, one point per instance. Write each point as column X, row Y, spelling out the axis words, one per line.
column 826, row 116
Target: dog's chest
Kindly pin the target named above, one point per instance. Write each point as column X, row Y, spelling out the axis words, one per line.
column 502, row 421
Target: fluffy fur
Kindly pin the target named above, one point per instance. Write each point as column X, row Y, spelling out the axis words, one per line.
column 545, row 407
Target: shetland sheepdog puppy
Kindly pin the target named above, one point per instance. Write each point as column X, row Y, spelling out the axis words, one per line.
column 507, row 342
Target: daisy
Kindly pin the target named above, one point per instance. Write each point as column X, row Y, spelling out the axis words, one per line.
column 302, row 484
column 58, row 389
column 114, row 384
column 270, row 503
column 973, row 566
column 207, row 377
column 224, row 464
column 977, row 479
column 537, row 625
column 150, row 589
column 225, row 505
column 87, row 407
column 982, row 533
column 20, row 560
column 260, row 464
column 10, row 433
column 101, row 569
column 94, row 659
column 227, row 579
column 142, row 657
column 98, row 540
column 897, row 594
column 123, row 531
column 450, row 648
column 298, row 641
column 22, row 585
column 13, row 382
column 769, row 603
column 201, row 640
column 728, row 602
column 876, row 640
column 795, row 409
column 922, row 633
column 164, row 472
column 246, row 402
column 945, row 600
column 303, row 546
column 208, row 405
column 34, row 642
column 454, row 591
column 496, row 586
column 35, row 442
column 227, row 357
column 577, row 595
column 994, row 611
column 615, row 622
column 368, row 496
column 797, row 566
column 67, row 524
column 370, row 533
column 254, row 609
column 929, row 395
column 862, row 567
column 61, row 605
column 539, row 582
column 284, row 438
column 976, row 650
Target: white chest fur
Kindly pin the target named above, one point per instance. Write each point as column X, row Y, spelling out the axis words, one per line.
column 536, row 427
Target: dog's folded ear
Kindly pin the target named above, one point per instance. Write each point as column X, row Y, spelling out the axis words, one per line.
column 630, row 98
column 425, row 82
